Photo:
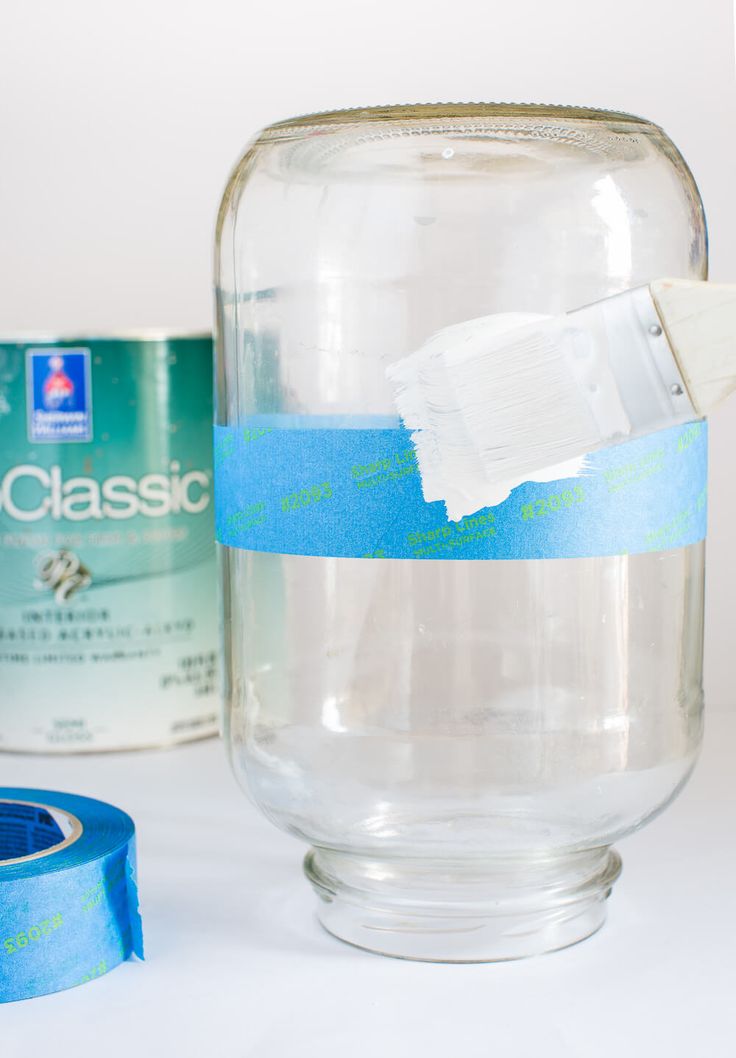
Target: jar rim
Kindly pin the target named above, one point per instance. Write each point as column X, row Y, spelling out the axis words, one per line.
column 444, row 111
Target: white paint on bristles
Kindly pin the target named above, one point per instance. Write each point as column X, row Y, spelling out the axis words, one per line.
column 443, row 393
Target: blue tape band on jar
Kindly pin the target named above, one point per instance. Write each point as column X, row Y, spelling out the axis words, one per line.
column 350, row 488
column 68, row 894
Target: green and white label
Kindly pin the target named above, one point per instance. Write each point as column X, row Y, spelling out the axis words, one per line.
column 108, row 628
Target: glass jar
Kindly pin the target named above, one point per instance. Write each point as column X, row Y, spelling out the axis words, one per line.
column 460, row 741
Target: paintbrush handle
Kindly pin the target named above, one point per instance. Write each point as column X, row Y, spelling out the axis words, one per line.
column 699, row 319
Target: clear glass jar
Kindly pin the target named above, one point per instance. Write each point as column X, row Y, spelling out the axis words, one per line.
column 460, row 741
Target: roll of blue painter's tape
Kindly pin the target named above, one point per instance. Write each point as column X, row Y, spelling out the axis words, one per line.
column 68, row 894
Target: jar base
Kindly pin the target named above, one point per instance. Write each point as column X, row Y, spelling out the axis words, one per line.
column 469, row 911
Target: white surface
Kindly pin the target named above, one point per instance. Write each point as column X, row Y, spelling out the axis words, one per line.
column 237, row 966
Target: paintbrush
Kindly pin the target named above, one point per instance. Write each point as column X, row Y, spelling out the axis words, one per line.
column 505, row 399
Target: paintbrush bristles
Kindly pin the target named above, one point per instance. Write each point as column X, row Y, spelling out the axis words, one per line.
column 538, row 418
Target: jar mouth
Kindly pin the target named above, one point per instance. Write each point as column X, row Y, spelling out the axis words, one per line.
column 445, row 111
column 336, row 142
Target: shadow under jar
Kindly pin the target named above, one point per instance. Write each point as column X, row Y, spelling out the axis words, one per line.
column 459, row 741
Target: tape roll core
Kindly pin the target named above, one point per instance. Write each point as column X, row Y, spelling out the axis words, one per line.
column 39, row 824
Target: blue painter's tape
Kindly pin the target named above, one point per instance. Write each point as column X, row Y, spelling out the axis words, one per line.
column 350, row 488
column 68, row 895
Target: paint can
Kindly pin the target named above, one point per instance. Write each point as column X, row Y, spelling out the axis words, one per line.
column 108, row 626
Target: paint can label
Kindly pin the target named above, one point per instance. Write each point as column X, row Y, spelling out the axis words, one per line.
column 108, row 629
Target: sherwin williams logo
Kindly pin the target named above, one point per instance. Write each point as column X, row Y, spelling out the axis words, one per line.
column 59, row 395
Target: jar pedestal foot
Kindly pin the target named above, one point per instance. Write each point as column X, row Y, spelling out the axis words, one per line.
column 463, row 911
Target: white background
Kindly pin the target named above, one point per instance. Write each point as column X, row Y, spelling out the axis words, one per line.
column 119, row 122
